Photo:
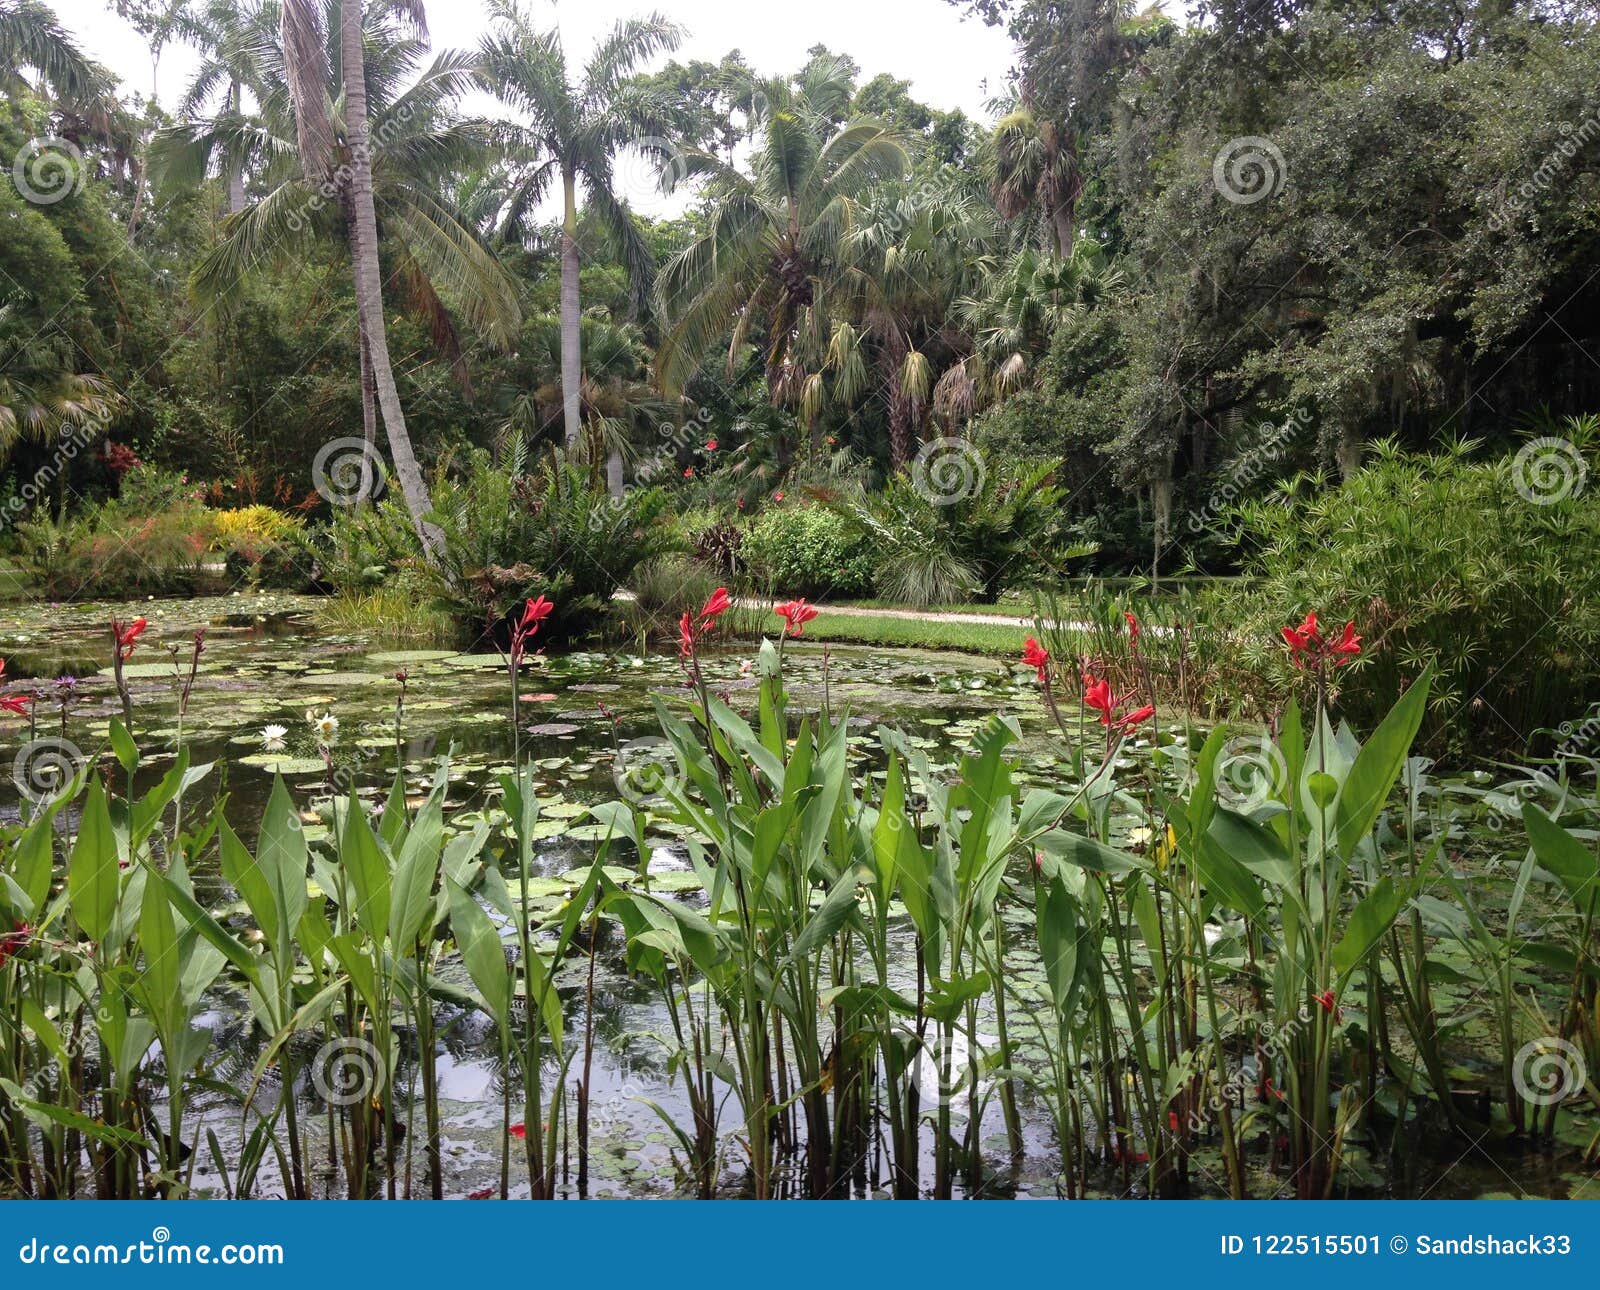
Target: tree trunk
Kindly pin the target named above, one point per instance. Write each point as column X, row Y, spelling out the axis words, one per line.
column 235, row 169
column 571, row 335
column 1349, row 452
column 614, row 472
column 368, row 282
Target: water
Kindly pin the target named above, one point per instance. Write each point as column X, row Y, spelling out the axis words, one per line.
column 265, row 663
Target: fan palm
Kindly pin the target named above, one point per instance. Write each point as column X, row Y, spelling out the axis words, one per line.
column 1034, row 166
column 572, row 131
column 617, row 401
column 775, row 252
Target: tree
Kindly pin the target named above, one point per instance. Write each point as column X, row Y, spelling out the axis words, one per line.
column 32, row 40
column 775, row 254
column 572, row 132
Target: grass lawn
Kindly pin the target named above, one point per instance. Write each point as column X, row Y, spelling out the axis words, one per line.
column 918, row 633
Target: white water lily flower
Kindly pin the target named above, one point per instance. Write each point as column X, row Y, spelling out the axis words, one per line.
column 1141, row 837
column 326, row 726
column 272, row 736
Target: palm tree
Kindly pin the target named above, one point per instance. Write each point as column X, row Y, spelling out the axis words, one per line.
column 618, row 402
column 304, row 154
column 571, row 134
column 32, row 40
column 41, row 397
column 776, row 250
column 1034, row 166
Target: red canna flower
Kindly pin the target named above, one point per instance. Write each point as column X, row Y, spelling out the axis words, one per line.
column 1348, row 645
column 12, row 942
column 483, row 1193
column 686, row 635
column 714, row 608
column 778, row 496
column 533, row 614
column 1034, row 655
column 688, row 472
column 796, row 613
column 519, row 1131
column 127, row 636
column 740, row 503
column 1172, row 1121
column 1307, row 644
column 1133, row 626
column 17, row 703
column 711, row 445
column 1326, row 1000
column 1098, row 696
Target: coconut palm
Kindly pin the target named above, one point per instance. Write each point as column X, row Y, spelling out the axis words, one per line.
column 571, row 133
column 32, row 40
column 775, row 252
column 308, row 157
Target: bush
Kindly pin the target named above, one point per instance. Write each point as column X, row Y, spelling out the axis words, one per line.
column 515, row 531
column 265, row 548
column 112, row 550
column 969, row 527
column 1444, row 560
column 808, row 550
column 365, row 544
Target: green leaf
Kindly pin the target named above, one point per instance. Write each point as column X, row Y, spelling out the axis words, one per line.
column 1372, row 776
column 1561, row 854
column 122, row 745
column 1368, row 923
column 483, row 954
column 368, row 869
column 92, row 871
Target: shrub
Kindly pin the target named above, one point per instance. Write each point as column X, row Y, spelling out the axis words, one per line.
column 518, row 530
column 365, row 544
column 968, row 527
column 1439, row 559
column 111, row 550
column 808, row 550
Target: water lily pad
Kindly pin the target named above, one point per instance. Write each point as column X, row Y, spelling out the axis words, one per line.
column 553, row 728
column 406, row 657
column 284, row 764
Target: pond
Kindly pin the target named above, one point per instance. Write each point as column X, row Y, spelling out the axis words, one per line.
column 588, row 728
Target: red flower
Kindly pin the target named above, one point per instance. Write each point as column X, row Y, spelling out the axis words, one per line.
column 519, row 1131
column 778, row 496
column 483, row 1193
column 127, row 636
column 1172, row 1121
column 711, row 445
column 536, row 612
column 1348, row 645
column 796, row 613
column 1326, row 1000
column 688, row 472
column 17, row 703
column 1034, row 655
column 1306, row 643
column 1098, row 696
column 714, row 608
column 12, row 942
column 1133, row 626
column 1268, row 1091
column 686, row 634
column 740, row 503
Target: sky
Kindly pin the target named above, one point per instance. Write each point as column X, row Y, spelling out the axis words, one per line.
column 951, row 62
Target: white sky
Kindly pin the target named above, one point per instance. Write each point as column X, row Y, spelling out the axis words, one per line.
column 950, row 62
